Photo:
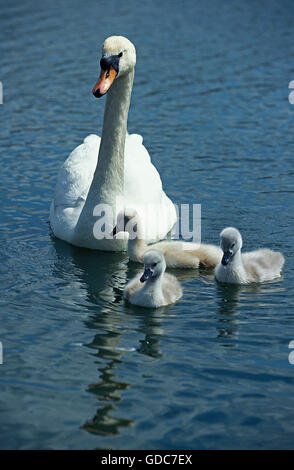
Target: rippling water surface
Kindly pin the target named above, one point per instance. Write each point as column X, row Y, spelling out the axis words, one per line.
column 82, row 369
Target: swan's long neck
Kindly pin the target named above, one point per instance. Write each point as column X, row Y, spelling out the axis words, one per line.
column 137, row 246
column 109, row 174
column 108, row 179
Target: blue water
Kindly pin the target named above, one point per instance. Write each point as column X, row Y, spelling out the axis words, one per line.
column 82, row 369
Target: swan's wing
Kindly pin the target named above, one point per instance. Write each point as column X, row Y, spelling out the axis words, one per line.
column 140, row 172
column 76, row 174
column 171, row 288
column 144, row 191
column 263, row 264
column 132, row 286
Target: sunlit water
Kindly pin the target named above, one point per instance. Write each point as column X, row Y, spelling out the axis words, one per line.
column 82, row 369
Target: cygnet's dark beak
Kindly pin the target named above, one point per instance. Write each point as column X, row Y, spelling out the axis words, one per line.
column 226, row 257
column 147, row 273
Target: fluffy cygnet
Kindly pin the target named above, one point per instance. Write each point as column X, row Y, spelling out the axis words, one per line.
column 178, row 254
column 254, row 266
column 153, row 288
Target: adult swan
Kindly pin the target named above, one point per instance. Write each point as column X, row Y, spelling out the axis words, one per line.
column 103, row 176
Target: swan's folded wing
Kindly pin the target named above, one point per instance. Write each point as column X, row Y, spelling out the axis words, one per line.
column 76, row 173
column 171, row 288
column 144, row 191
column 135, row 140
column 132, row 286
column 263, row 264
column 139, row 169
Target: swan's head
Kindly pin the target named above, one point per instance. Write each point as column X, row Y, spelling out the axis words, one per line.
column 124, row 219
column 154, row 265
column 230, row 242
column 118, row 58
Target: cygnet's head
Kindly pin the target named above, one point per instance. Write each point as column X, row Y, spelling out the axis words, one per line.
column 230, row 242
column 124, row 219
column 118, row 58
column 154, row 265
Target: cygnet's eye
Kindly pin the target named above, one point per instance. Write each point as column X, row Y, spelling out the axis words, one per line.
column 233, row 244
column 120, row 54
column 153, row 265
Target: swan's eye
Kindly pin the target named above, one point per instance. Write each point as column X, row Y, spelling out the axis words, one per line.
column 153, row 265
column 120, row 54
column 233, row 244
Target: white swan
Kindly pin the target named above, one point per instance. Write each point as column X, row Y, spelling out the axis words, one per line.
column 254, row 266
column 178, row 254
column 160, row 288
column 123, row 175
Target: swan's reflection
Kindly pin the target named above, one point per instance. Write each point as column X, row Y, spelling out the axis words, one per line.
column 107, row 347
column 230, row 297
column 107, row 389
column 100, row 278
column 100, row 273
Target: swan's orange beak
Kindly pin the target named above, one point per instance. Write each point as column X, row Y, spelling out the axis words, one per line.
column 104, row 82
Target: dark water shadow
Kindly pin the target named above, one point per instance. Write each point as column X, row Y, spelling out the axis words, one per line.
column 102, row 273
column 230, row 298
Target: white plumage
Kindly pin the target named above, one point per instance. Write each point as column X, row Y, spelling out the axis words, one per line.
column 123, row 175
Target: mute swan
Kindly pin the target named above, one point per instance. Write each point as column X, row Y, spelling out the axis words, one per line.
column 178, row 254
column 159, row 289
column 254, row 266
column 121, row 173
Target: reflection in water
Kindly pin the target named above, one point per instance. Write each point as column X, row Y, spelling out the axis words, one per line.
column 107, row 389
column 102, row 277
column 105, row 425
column 98, row 279
column 103, row 274
column 151, row 324
column 229, row 297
